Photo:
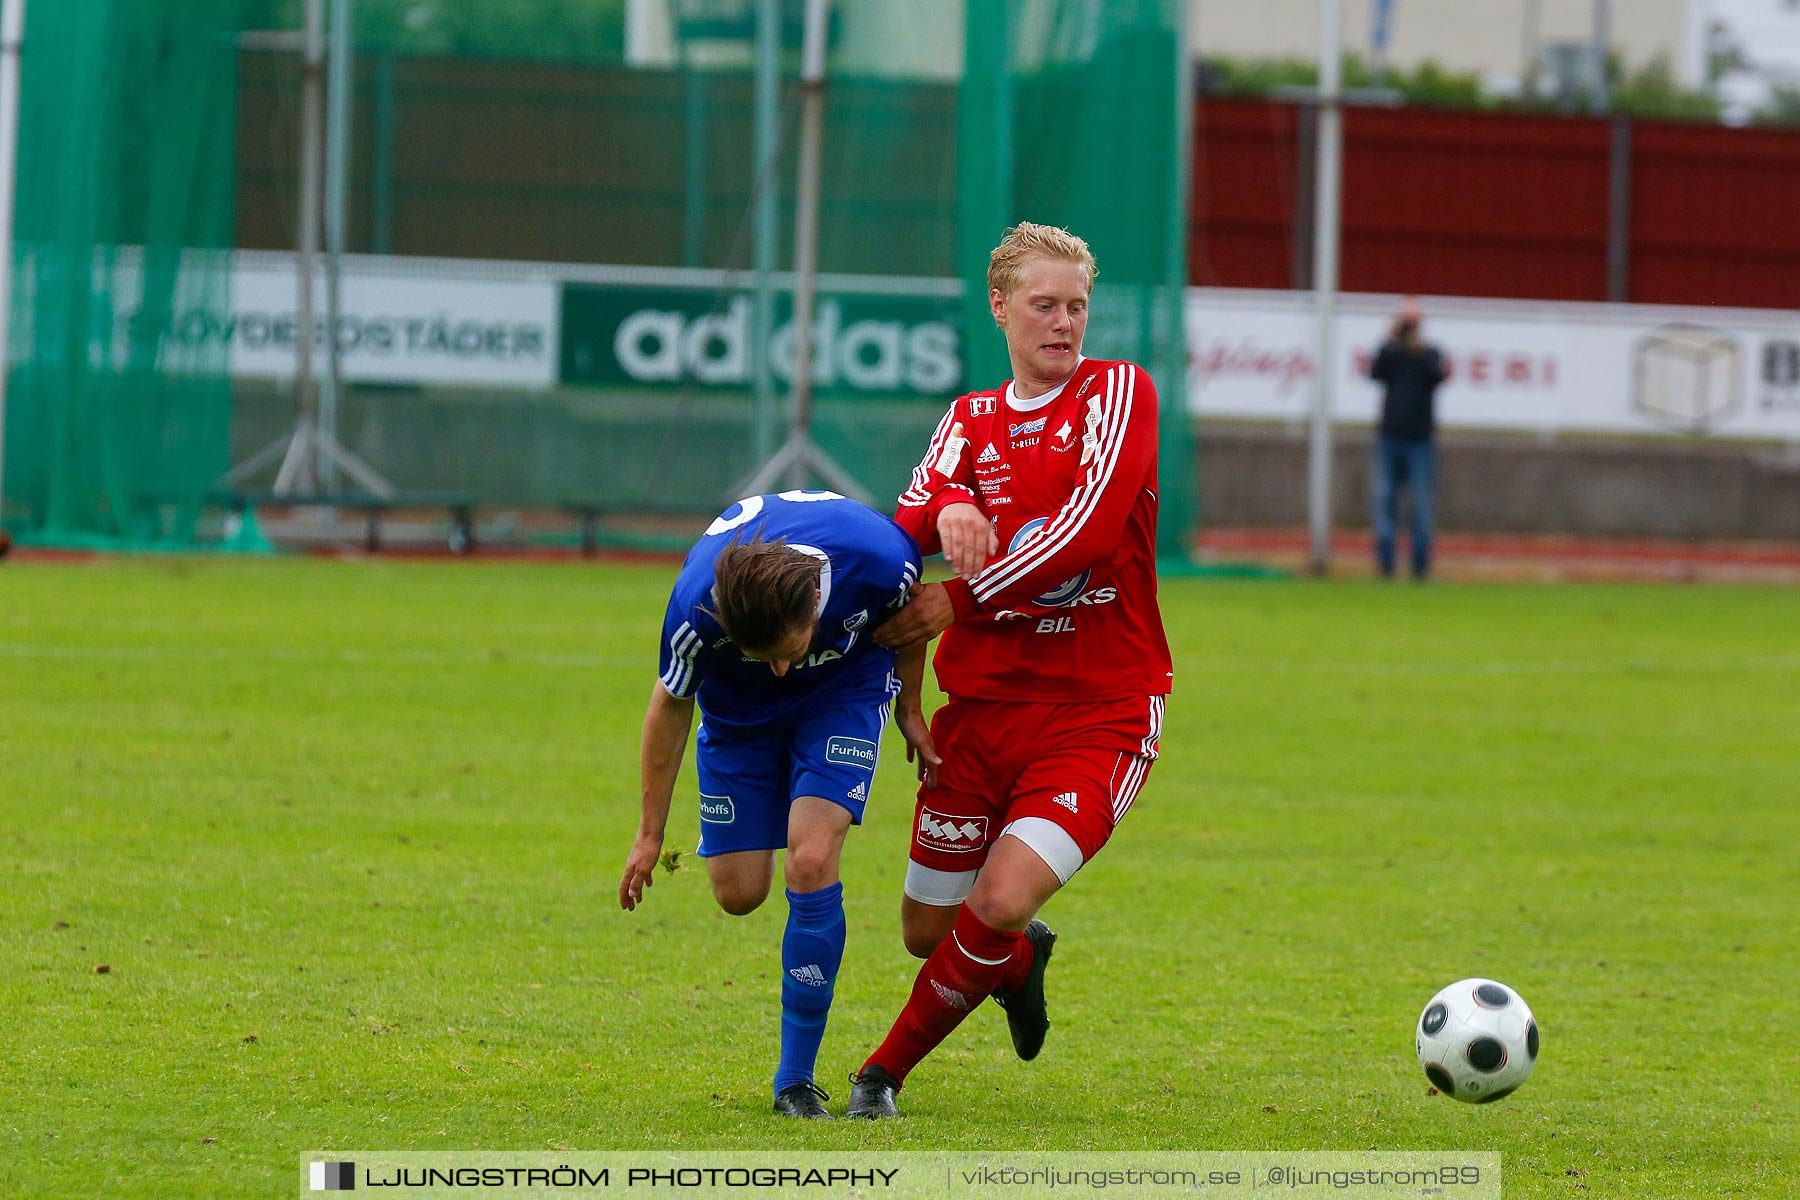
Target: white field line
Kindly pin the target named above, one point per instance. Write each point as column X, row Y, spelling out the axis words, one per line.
column 276, row 654
column 1622, row 666
column 102, row 652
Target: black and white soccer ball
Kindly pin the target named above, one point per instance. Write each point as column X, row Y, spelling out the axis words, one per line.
column 1477, row 1040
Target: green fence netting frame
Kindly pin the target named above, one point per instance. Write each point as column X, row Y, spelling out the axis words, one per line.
column 124, row 214
column 1075, row 114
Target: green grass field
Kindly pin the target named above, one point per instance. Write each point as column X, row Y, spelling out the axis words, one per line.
column 348, row 838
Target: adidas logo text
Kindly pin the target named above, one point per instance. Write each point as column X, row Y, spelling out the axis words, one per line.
column 989, row 455
column 860, row 792
column 810, row 975
column 1067, row 800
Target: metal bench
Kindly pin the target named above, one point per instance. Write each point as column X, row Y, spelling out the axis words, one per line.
column 460, row 506
column 587, row 514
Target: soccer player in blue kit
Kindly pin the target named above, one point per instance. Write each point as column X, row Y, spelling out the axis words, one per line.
column 770, row 626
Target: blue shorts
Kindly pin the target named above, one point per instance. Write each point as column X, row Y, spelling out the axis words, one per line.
column 749, row 777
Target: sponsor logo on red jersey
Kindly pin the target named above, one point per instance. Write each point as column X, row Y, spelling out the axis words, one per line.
column 1063, row 592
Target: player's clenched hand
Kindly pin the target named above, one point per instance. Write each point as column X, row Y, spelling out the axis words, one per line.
column 920, row 749
column 639, row 867
column 968, row 538
column 926, row 615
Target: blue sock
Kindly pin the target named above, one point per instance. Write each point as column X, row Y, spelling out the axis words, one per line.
column 811, row 951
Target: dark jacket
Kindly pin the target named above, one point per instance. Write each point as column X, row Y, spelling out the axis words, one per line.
column 1411, row 377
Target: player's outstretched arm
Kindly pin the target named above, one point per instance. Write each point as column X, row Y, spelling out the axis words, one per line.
column 926, row 615
column 945, row 476
column 666, row 725
column 909, row 712
column 967, row 536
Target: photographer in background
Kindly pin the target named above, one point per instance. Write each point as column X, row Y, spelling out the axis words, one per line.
column 1409, row 370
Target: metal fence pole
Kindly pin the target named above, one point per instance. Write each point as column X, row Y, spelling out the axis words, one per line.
column 299, row 468
column 337, row 190
column 1325, row 282
column 12, row 31
column 1618, row 224
column 765, row 190
column 806, row 223
column 381, row 167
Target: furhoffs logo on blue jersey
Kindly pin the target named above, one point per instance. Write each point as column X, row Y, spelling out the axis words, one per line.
column 851, row 752
column 717, row 810
column 1063, row 593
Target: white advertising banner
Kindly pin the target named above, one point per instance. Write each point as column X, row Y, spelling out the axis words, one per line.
column 400, row 321
column 1514, row 365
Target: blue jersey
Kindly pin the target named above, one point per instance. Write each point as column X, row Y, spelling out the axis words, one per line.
column 869, row 565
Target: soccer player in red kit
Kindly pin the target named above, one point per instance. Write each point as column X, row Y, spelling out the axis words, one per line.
column 1042, row 495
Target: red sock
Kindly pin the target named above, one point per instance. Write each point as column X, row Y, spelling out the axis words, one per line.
column 965, row 968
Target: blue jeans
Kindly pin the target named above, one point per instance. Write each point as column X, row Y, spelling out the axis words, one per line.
column 1403, row 464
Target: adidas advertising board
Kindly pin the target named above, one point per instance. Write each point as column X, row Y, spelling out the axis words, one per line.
column 661, row 337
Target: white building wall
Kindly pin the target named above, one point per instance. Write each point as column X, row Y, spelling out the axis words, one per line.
column 1755, row 45
column 1492, row 38
column 908, row 39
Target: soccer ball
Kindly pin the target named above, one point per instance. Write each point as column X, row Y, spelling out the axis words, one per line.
column 1477, row 1040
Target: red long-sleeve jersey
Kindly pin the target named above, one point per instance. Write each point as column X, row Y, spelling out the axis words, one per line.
column 1067, row 612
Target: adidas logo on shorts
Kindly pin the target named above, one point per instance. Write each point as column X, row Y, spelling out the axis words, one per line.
column 860, row 791
column 1067, row 800
column 989, row 455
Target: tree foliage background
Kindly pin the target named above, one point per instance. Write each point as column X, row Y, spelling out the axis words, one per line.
column 1650, row 90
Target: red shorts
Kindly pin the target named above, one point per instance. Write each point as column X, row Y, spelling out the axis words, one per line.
column 1078, row 766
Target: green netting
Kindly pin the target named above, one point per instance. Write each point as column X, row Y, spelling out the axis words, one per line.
column 124, row 213
column 136, row 147
column 1069, row 114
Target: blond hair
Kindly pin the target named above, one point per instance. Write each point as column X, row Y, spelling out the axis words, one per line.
column 1026, row 241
